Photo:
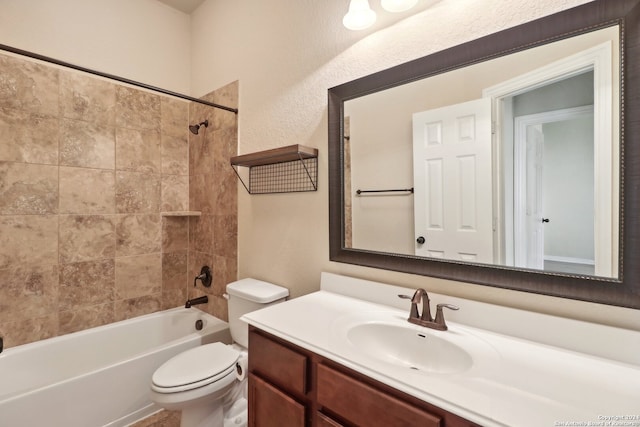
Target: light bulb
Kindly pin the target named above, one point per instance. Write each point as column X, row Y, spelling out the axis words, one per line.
column 359, row 16
column 398, row 5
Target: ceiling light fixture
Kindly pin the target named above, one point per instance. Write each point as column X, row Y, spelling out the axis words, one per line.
column 398, row 5
column 359, row 16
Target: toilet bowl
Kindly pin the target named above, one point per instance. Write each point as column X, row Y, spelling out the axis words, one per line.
column 204, row 381
column 197, row 382
column 202, row 372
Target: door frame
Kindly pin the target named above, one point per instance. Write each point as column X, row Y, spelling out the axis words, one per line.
column 521, row 124
column 598, row 59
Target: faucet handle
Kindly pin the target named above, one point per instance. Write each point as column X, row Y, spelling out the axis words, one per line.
column 439, row 320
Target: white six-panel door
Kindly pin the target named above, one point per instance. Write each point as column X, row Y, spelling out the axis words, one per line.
column 452, row 182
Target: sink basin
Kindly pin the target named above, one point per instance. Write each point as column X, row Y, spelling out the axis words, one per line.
column 407, row 347
column 387, row 337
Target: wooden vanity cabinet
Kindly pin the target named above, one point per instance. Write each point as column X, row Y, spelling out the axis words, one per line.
column 293, row 387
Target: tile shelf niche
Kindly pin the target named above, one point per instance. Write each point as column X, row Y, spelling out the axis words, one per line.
column 289, row 169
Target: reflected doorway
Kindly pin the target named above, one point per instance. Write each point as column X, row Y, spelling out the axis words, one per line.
column 554, row 216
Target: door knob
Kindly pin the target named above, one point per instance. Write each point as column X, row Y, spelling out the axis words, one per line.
column 420, row 240
column 545, row 219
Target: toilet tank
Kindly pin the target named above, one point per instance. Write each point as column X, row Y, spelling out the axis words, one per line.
column 249, row 295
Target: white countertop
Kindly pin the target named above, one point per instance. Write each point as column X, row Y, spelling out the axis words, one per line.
column 514, row 382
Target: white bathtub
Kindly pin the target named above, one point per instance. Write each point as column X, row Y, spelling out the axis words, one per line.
column 100, row 376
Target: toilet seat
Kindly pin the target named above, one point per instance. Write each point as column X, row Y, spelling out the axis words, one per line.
column 195, row 368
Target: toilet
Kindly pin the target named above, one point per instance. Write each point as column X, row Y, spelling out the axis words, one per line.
column 203, row 381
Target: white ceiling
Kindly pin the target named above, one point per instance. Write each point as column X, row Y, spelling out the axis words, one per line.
column 186, row 6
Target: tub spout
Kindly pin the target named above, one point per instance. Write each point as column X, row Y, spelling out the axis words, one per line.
column 196, row 301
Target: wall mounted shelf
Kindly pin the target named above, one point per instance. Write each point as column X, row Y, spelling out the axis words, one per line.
column 289, row 169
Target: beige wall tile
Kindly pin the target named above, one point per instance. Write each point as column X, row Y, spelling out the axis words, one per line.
column 28, row 240
column 174, row 271
column 86, row 283
column 201, row 193
column 86, row 238
column 199, row 113
column 88, row 145
column 174, row 117
column 226, row 235
column 126, row 309
column 27, row 137
column 87, row 98
column 138, row 150
column 175, row 234
column 137, row 192
column 175, row 193
column 28, row 292
column 219, row 308
column 201, row 153
column 28, row 189
column 28, row 86
column 201, row 233
column 138, row 234
column 86, row 317
column 173, row 298
column 226, row 146
column 225, row 271
column 29, row 330
column 87, row 191
column 225, row 194
column 137, row 276
column 175, row 155
column 227, row 96
column 137, row 109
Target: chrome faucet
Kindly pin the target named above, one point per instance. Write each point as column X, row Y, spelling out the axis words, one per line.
column 425, row 318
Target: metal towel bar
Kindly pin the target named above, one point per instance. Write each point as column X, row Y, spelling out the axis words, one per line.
column 401, row 190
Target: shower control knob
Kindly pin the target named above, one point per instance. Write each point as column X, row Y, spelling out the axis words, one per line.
column 420, row 240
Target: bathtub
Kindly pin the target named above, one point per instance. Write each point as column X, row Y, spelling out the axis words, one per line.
column 99, row 376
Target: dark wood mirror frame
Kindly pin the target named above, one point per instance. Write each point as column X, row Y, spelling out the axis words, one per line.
column 623, row 291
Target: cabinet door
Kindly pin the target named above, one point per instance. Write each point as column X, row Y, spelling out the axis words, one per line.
column 270, row 407
column 363, row 405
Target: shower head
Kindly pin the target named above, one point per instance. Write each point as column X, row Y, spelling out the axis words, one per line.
column 194, row 128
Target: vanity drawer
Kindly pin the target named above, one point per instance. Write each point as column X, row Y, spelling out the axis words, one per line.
column 281, row 365
column 362, row 404
column 271, row 407
column 324, row 421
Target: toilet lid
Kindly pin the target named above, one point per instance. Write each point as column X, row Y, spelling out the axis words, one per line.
column 195, row 365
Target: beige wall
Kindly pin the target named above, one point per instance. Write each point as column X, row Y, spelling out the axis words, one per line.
column 142, row 40
column 286, row 55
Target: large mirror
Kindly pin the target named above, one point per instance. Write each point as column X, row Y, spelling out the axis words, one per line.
column 502, row 162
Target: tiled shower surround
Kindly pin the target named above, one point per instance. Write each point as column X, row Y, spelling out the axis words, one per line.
column 87, row 166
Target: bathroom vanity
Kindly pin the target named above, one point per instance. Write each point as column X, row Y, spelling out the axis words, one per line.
column 291, row 386
column 347, row 355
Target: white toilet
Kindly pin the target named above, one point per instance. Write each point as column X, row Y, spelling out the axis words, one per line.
column 203, row 380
